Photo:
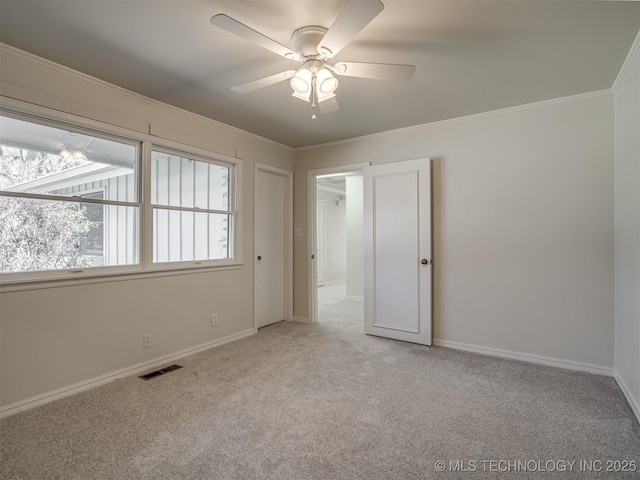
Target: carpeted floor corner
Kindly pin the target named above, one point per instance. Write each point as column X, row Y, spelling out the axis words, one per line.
column 324, row 401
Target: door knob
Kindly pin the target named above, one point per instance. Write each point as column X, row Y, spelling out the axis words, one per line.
column 424, row 261
column 259, row 257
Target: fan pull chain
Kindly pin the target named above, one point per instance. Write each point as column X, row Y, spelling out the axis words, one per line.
column 314, row 95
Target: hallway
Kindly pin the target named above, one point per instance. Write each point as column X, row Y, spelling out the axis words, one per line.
column 335, row 307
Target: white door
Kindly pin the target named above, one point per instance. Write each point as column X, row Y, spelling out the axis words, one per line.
column 397, row 236
column 270, row 247
column 321, row 243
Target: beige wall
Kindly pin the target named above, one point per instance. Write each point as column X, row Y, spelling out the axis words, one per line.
column 56, row 337
column 523, row 225
column 627, row 233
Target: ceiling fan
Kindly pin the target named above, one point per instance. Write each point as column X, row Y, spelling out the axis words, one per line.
column 314, row 47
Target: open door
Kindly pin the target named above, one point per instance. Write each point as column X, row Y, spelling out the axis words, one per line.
column 397, row 251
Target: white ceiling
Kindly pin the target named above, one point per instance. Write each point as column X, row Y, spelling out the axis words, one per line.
column 471, row 57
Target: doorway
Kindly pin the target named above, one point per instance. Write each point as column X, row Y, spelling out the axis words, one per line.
column 395, row 260
column 337, row 237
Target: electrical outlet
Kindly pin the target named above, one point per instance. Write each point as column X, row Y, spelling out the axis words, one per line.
column 146, row 341
column 214, row 319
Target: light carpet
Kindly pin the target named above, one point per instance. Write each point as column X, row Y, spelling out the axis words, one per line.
column 324, row 401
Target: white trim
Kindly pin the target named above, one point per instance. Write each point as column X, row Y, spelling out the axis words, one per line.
column 144, row 143
column 288, row 175
column 19, row 93
column 301, row 319
column 234, row 211
column 89, row 278
column 173, row 147
column 52, row 117
column 116, row 375
column 165, row 133
column 517, row 108
column 146, row 224
column 312, row 277
column 633, row 402
column 96, row 81
column 526, row 357
column 627, row 63
column 101, row 83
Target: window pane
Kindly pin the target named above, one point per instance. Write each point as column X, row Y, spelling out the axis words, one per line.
column 183, row 182
column 93, row 243
column 190, row 236
column 46, row 160
column 40, row 235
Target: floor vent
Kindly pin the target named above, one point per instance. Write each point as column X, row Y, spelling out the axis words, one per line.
column 162, row 371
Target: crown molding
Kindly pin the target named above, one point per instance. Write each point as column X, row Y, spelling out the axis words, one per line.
column 627, row 63
column 490, row 113
column 151, row 101
column 123, row 91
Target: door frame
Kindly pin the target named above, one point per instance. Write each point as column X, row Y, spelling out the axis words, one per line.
column 312, row 198
column 322, row 248
column 288, row 238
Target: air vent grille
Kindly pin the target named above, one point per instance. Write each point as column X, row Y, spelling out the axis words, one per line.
column 162, row 371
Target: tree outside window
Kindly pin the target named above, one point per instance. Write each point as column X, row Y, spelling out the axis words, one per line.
column 39, row 234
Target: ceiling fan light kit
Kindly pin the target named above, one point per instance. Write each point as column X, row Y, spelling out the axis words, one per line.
column 313, row 82
column 301, row 84
column 314, row 46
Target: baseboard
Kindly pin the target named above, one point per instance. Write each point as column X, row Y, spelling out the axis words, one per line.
column 526, row 357
column 300, row 319
column 118, row 374
column 634, row 403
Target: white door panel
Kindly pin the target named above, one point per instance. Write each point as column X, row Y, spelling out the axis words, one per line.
column 397, row 226
column 270, row 247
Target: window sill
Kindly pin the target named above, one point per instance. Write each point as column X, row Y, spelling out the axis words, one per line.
column 40, row 284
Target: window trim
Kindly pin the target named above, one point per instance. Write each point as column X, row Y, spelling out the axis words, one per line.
column 144, row 143
column 200, row 155
column 81, row 128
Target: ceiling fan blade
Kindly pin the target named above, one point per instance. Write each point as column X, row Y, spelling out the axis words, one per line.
column 264, row 82
column 352, row 19
column 378, row 71
column 329, row 106
column 241, row 30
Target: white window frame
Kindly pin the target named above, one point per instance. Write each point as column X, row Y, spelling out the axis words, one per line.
column 200, row 155
column 78, row 127
column 144, row 143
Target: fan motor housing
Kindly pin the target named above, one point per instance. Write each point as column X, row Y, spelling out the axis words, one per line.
column 305, row 40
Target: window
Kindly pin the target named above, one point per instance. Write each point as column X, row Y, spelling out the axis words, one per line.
column 69, row 199
column 72, row 203
column 192, row 208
